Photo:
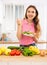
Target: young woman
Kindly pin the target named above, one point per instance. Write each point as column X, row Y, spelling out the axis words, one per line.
column 29, row 24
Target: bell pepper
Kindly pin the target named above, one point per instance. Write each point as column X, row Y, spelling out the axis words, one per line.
column 27, row 52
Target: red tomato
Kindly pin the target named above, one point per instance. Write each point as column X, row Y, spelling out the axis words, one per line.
column 13, row 52
column 18, row 52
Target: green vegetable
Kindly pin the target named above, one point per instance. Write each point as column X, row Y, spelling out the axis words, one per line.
column 27, row 32
column 13, row 47
column 27, row 52
column 31, row 54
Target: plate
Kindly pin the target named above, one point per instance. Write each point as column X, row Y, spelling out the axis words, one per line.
column 28, row 34
column 31, row 35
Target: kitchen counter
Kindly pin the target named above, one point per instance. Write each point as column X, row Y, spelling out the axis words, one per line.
column 23, row 60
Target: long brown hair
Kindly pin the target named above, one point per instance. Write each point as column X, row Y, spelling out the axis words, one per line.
column 35, row 20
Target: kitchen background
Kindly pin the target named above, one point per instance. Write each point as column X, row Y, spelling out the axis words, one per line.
column 10, row 10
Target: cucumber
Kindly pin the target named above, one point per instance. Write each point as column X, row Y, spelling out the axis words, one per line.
column 13, row 47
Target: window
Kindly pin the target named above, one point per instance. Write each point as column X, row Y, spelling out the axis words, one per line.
column 12, row 12
column 19, row 12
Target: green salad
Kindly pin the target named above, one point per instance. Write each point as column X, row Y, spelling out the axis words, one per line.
column 27, row 32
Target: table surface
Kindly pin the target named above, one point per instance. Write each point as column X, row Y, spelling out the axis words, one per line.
column 23, row 58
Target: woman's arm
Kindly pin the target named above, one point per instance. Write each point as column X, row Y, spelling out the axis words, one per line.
column 37, row 34
column 35, row 38
column 19, row 29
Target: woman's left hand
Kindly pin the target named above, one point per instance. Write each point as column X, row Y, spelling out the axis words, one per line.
column 35, row 38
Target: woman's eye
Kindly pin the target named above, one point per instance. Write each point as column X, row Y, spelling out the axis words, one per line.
column 32, row 11
column 28, row 11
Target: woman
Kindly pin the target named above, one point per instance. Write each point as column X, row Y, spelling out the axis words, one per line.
column 29, row 23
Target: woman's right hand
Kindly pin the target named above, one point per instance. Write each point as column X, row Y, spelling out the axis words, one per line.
column 19, row 22
column 19, row 29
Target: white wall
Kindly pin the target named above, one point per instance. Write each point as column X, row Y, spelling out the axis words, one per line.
column 1, row 12
column 41, row 6
column 1, row 16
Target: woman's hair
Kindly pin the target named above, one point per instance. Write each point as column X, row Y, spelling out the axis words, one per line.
column 35, row 20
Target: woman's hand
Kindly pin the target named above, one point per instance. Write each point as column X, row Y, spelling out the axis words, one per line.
column 19, row 29
column 34, row 36
column 19, row 23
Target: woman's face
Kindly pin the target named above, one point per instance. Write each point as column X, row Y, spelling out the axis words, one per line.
column 31, row 13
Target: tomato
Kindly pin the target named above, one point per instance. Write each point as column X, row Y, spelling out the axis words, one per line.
column 18, row 52
column 13, row 52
